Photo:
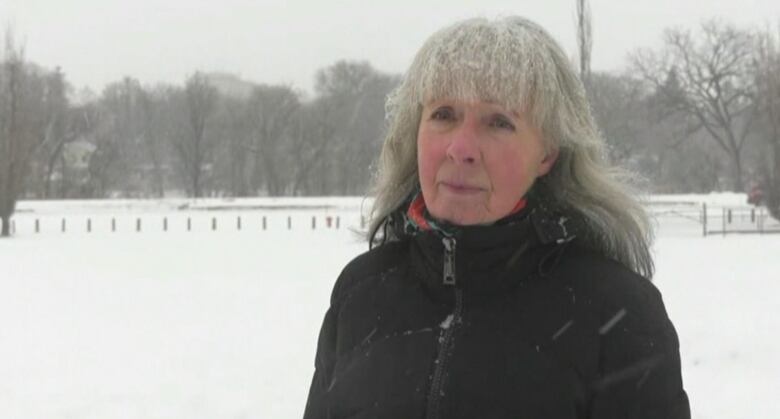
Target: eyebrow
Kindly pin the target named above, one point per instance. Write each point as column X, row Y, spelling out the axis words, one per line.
column 511, row 112
column 445, row 100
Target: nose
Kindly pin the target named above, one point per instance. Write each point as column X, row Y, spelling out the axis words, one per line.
column 464, row 143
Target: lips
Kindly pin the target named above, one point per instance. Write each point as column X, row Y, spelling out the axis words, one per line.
column 461, row 188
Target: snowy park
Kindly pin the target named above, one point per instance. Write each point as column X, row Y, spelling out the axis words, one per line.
column 211, row 309
column 134, row 286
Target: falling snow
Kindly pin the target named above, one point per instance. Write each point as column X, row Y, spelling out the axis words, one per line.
column 612, row 322
column 562, row 330
column 447, row 322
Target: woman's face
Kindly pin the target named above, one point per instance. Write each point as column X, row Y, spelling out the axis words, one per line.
column 476, row 160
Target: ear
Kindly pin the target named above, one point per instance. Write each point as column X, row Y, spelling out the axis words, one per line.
column 547, row 162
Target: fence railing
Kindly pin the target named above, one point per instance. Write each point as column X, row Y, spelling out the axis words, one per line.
column 716, row 220
column 689, row 217
column 125, row 223
column 739, row 220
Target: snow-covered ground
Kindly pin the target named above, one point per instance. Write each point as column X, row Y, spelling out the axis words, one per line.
column 223, row 324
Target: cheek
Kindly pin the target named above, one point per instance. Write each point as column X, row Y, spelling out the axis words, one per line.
column 510, row 173
column 429, row 158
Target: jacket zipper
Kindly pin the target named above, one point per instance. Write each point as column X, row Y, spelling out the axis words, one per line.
column 445, row 342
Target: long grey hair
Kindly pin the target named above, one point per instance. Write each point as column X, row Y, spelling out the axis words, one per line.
column 517, row 64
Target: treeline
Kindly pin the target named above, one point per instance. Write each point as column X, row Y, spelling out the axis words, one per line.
column 701, row 113
column 214, row 136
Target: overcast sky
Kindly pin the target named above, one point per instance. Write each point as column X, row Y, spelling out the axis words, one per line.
column 99, row 41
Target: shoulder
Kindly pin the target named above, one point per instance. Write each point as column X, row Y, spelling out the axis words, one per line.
column 638, row 347
column 369, row 265
column 615, row 290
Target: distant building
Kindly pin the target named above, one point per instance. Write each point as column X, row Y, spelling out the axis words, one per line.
column 231, row 85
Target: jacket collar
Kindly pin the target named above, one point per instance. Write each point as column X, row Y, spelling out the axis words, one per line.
column 550, row 224
column 491, row 259
column 417, row 218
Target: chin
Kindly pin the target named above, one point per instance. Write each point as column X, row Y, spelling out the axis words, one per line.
column 464, row 217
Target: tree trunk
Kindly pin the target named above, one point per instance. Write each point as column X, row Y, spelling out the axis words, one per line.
column 53, row 158
column 738, row 185
column 196, row 192
column 157, row 177
column 772, row 189
column 6, row 231
column 63, row 178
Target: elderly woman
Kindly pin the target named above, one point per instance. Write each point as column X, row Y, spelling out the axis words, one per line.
column 509, row 276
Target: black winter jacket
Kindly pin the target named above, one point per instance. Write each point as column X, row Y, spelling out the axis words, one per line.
column 513, row 321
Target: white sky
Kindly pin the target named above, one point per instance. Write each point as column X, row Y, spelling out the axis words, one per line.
column 96, row 42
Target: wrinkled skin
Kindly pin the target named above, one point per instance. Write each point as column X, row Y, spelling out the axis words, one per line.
column 476, row 160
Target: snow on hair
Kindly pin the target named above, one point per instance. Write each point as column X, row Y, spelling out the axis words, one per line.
column 514, row 62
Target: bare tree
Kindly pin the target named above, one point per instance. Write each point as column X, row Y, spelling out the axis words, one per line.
column 767, row 79
column 644, row 136
column 271, row 112
column 151, row 138
column 164, row 124
column 22, row 124
column 353, row 95
column 712, row 84
column 119, row 164
column 60, row 130
column 232, row 159
column 584, row 38
column 192, row 144
column 675, row 153
column 620, row 109
column 312, row 133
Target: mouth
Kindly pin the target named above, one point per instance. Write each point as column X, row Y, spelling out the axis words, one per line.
column 461, row 188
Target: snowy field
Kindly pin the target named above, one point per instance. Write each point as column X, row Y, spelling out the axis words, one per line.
column 222, row 323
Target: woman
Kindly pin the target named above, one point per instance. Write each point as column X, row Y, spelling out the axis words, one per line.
column 509, row 276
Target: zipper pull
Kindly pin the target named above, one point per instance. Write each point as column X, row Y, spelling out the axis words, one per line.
column 449, row 260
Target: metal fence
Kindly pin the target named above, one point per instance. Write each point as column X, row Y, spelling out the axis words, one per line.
column 739, row 220
column 689, row 218
column 708, row 220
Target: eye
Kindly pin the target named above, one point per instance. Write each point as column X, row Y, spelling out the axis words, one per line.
column 445, row 113
column 502, row 122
